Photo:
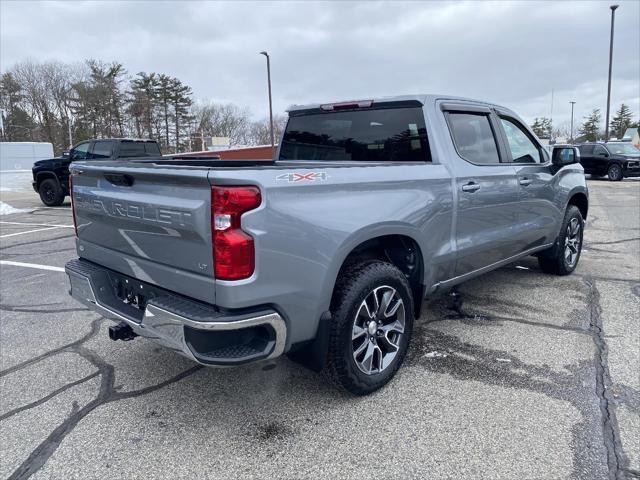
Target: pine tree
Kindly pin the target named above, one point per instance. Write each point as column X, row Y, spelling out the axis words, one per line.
column 621, row 121
column 18, row 125
column 180, row 99
column 591, row 125
column 143, row 102
column 542, row 127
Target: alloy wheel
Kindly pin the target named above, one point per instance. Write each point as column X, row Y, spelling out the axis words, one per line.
column 573, row 242
column 378, row 329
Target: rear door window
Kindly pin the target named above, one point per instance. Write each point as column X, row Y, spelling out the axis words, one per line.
column 586, row 150
column 376, row 135
column 101, row 150
column 132, row 149
column 473, row 137
column 152, row 148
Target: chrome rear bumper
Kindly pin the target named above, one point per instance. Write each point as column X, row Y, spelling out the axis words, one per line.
column 196, row 330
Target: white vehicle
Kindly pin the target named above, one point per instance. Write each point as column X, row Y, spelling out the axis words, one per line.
column 15, row 156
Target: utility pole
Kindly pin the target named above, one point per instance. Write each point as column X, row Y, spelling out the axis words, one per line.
column 551, row 121
column 606, row 125
column 571, row 134
column 270, row 103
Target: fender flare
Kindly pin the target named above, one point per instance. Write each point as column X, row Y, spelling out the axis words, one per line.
column 41, row 176
column 357, row 238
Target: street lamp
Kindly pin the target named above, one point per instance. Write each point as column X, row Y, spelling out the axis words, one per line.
column 613, row 17
column 270, row 104
column 571, row 134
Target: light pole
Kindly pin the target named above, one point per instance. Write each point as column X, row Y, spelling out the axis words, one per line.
column 606, row 125
column 571, row 134
column 270, row 104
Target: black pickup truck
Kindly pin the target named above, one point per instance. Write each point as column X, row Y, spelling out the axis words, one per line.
column 617, row 160
column 51, row 177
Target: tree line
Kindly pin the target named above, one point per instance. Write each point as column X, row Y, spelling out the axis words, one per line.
column 64, row 103
column 590, row 129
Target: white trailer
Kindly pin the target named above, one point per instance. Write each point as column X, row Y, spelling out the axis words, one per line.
column 16, row 156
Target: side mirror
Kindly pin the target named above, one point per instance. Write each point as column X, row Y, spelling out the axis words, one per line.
column 65, row 154
column 562, row 156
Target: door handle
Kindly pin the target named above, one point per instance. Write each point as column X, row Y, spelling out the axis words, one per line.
column 470, row 187
column 524, row 181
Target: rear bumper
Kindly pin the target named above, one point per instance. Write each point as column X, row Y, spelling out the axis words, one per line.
column 196, row 330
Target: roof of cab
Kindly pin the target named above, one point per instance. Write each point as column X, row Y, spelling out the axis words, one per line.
column 423, row 98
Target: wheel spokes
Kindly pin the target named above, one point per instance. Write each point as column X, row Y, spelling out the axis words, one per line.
column 376, row 343
column 357, row 332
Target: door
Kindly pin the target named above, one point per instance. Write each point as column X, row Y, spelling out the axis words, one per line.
column 486, row 189
column 538, row 216
column 586, row 158
column 600, row 160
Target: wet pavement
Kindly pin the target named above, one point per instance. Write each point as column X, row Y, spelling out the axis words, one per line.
column 515, row 375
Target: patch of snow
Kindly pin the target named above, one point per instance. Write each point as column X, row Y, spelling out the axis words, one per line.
column 6, row 209
column 436, row 354
column 503, row 360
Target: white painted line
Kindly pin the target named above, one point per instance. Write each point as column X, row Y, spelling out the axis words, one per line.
column 36, row 224
column 28, row 231
column 32, row 265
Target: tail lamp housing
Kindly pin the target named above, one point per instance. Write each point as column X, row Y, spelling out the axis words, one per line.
column 73, row 208
column 233, row 248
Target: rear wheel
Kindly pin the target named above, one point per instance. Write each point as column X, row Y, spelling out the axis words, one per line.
column 51, row 193
column 562, row 258
column 372, row 322
column 615, row 172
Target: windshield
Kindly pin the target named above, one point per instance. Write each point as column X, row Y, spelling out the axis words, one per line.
column 623, row 149
column 376, row 135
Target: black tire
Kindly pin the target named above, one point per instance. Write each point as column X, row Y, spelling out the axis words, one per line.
column 51, row 193
column 354, row 288
column 556, row 259
column 615, row 173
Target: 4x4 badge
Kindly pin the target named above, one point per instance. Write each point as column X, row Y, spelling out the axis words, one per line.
column 294, row 177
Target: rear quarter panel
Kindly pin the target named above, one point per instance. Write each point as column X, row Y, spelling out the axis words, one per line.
column 305, row 229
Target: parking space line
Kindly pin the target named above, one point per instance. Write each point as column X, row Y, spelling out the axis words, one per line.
column 36, row 224
column 32, row 265
column 28, row 231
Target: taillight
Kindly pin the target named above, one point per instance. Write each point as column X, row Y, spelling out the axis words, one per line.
column 73, row 208
column 233, row 250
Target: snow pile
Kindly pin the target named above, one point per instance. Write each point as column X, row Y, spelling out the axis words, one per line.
column 6, row 209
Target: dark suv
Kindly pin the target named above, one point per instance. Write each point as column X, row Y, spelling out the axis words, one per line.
column 51, row 177
column 617, row 160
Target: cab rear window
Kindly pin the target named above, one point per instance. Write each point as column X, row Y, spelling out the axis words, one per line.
column 375, row 135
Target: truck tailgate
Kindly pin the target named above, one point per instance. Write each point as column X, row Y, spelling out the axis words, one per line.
column 151, row 223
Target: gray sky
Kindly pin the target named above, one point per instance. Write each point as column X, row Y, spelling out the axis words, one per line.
column 509, row 53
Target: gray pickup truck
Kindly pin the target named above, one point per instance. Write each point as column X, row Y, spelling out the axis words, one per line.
column 327, row 252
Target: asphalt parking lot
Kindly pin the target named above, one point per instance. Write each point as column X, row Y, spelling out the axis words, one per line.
column 519, row 375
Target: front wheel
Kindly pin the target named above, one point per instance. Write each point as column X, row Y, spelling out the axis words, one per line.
column 372, row 321
column 51, row 193
column 562, row 258
column 615, row 172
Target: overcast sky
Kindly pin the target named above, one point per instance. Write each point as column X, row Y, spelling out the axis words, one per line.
column 509, row 53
